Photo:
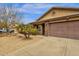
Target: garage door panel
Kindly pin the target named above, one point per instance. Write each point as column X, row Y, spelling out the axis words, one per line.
column 65, row 29
column 73, row 29
column 58, row 29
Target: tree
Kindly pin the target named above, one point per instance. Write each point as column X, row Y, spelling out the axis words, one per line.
column 9, row 17
column 27, row 30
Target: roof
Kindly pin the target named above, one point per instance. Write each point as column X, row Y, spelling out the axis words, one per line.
column 58, row 18
column 66, row 8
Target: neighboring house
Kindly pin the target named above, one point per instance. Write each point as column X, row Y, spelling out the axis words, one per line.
column 59, row 22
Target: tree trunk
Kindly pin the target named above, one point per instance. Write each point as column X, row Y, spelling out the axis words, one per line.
column 28, row 35
column 25, row 36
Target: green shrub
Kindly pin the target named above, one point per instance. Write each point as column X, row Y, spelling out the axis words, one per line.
column 34, row 31
column 27, row 30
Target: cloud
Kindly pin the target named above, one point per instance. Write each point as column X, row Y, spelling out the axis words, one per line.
column 34, row 8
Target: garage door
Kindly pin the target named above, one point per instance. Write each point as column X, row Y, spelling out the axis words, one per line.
column 65, row 29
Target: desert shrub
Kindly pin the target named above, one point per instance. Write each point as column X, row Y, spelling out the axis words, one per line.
column 27, row 30
column 34, row 31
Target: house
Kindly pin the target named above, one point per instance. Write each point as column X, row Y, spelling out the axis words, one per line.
column 59, row 22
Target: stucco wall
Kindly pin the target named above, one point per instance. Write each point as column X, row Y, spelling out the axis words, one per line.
column 58, row 13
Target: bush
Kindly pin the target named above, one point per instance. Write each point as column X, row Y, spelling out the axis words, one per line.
column 34, row 31
column 27, row 30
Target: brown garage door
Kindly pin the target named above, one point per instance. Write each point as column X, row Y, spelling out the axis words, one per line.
column 65, row 29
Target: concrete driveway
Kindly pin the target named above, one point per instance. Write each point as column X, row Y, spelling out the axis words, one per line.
column 41, row 46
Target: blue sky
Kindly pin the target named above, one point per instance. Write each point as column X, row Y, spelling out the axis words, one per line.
column 32, row 11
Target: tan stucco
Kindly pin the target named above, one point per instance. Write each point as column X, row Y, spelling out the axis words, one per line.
column 58, row 13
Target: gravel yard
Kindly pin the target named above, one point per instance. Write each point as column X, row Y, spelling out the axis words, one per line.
column 38, row 46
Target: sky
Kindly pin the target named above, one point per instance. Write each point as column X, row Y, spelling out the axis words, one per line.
column 32, row 11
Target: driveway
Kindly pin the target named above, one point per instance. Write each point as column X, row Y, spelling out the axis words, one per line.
column 39, row 46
